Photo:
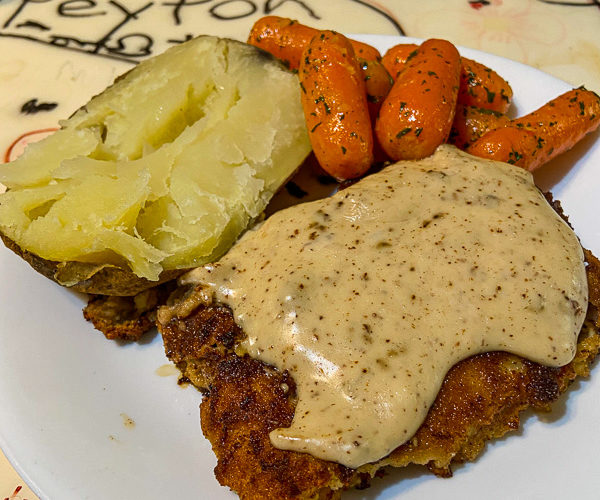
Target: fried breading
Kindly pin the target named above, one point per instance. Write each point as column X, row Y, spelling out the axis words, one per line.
column 127, row 318
column 481, row 398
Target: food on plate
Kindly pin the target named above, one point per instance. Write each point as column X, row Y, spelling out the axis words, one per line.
column 471, row 122
column 335, row 106
column 480, row 86
column 413, row 96
column 286, row 39
column 417, row 114
column 322, row 338
column 536, row 138
column 378, row 83
column 159, row 173
column 127, row 317
column 394, row 59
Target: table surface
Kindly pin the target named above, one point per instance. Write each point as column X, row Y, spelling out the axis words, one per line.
column 56, row 54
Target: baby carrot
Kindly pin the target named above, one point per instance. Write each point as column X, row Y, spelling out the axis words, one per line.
column 555, row 127
column 334, row 100
column 395, row 58
column 365, row 51
column 470, row 123
column 417, row 114
column 516, row 146
column 286, row 39
column 482, row 87
column 378, row 84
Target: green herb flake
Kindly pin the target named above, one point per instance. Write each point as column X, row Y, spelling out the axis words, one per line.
column 411, row 55
column 472, row 80
column 322, row 99
column 490, row 95
column 343, row 150
column 497, row 114
column 315, row 127
column 418, row 131
column 514, row 157
column 403, row 132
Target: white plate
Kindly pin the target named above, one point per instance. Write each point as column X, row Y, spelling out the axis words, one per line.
column 66, row 393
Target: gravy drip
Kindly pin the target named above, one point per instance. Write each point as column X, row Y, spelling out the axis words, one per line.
column 369, row 297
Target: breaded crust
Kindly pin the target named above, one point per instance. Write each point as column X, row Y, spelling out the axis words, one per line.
column 481, row 399
column 127, row 318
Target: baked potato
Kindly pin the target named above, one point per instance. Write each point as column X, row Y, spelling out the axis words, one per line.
column 159, row 173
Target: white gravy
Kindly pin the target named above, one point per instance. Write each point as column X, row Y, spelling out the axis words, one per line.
column 369, row 297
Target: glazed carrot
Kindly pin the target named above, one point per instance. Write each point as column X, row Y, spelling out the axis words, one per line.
column 555, row 127
column 286, row 39
column 334, row 100
column 417, row 114
column 282, row 37
column 508, row 144
column 470, row 123
column 378, row 83
column 482, row 87
column 365, row 51
column 395, row 58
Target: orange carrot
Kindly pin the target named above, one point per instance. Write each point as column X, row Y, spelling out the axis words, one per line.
column 417, row 114
column 508, row 144
column 334, row 100
column 556, row 127
column 286, row 39
column 395, row 58
column 540, row 136
column 378, row 84
column 470, row 123
column 482, row 87
column 365, row 51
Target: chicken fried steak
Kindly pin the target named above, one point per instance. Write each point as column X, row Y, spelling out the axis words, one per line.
column 480, row 399
column 127, row 318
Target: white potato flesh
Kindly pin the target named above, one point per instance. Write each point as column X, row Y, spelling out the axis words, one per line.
column 165, row 168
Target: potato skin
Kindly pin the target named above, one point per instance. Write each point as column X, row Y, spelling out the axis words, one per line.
column 85, row 277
